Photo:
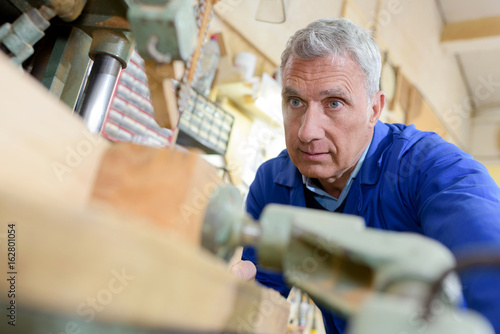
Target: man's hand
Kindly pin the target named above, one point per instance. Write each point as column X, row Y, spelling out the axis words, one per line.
column 245, row 270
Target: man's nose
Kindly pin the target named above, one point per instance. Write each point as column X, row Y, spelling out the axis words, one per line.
column 311, row 127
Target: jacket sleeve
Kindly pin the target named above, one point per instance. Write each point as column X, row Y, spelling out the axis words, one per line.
column 255, row 203
column 458, row 203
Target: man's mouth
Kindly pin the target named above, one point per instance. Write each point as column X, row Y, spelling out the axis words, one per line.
column 314, row 155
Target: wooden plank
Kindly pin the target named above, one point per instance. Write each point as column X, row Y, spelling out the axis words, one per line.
column 414, row 106
column 404, row 89
column 420, row 114
column 343, row 11
column 169, row 187
column 70, row 257
column 397, row 92
column 112, row 268
column 472, row 35
column 471, row 29
column 426, row 120
column 163, row 94
column 47, row 152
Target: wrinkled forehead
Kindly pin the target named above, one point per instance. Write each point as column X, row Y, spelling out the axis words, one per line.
column 321, row 67
column 318, row 66
column 335, row 60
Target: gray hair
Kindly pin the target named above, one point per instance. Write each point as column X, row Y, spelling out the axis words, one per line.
column 337, row 37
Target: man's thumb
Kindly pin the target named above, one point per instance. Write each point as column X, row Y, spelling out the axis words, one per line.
column 245, row 270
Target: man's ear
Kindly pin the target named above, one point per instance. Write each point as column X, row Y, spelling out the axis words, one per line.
column 377, row 105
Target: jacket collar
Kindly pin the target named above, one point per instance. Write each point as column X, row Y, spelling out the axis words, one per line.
column 290, row 176
column 371, row 168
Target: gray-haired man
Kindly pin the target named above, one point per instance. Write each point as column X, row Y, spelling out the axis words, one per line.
column 339, row 157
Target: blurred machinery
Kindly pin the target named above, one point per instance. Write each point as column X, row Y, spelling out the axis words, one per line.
column 382, row 281
column 88, row 42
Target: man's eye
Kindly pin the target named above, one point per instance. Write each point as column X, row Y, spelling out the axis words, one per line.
column 334, row 104
column 295, row 103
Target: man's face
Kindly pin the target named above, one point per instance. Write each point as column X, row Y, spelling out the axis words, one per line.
column 327, row 116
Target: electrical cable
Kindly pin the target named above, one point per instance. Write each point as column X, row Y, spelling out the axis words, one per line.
column 478, row 258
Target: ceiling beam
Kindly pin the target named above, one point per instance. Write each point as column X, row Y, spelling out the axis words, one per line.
column 472, row 35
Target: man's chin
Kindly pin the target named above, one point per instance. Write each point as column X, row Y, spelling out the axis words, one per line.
column 314, row 172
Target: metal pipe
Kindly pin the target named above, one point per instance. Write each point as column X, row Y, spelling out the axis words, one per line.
column 251, row 232
column 100, row 86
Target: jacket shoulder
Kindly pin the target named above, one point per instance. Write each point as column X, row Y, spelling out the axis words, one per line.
column 409, row 140
column 268, row 186
column 276, row 163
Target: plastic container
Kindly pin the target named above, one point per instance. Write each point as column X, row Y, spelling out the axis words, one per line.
column 207, row 66
column 246, row 62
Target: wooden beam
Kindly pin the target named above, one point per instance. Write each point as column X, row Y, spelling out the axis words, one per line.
column 472, row 35
column 101, row 266
column 169, row 187
column 47, row 151
column 84, row 262
column 472, row 29
column 343, row 11
column 162, row 91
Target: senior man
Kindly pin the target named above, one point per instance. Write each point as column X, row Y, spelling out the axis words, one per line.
column 341, row 158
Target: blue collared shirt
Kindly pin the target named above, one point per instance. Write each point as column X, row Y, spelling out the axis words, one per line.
column 325, row 199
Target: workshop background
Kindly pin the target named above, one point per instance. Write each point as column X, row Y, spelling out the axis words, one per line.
column 441, row 72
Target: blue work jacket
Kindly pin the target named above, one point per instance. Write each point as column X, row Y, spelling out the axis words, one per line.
column 410, row 181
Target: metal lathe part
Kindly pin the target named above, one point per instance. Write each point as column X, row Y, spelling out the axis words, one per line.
column 226, row 225
column 251, row 232
column 101, row 83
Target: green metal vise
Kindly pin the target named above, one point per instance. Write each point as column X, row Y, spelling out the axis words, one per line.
column 164, row 30
column 378, row 279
